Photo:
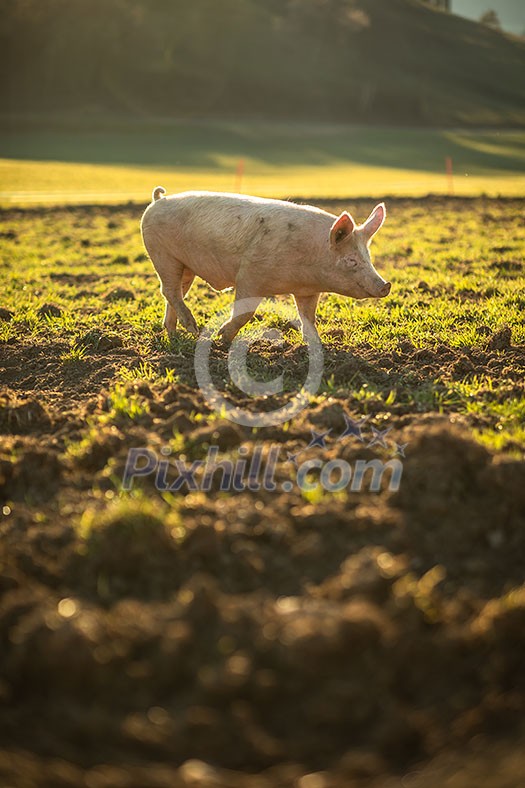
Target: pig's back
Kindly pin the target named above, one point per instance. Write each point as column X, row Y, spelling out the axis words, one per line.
column 233, row 216
column 213, row 233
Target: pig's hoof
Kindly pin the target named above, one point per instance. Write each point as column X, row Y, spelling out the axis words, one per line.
column 192, row 328
column 224, row 339
column 222, row 331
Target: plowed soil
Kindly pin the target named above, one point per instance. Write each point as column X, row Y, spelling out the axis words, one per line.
column 258, row 637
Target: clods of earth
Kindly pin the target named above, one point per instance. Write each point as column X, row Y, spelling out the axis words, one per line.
column 256, row 637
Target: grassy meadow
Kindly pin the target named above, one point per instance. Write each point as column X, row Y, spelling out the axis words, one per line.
column 119, row 163
column 457, row 280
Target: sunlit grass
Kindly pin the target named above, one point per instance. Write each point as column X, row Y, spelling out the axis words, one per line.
column 457, row 278
column 75, row 355
column 124, row 405
column 143, row 371
column 26, row 182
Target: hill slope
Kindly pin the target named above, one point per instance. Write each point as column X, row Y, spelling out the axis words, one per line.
column 510, row 12
column 396, row 61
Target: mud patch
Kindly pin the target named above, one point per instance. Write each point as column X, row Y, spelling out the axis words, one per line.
column 49, row 310
column 6, row 315
column 119, row 293
column 22, row 415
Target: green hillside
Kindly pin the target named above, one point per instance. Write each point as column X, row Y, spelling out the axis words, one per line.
column 373, row 61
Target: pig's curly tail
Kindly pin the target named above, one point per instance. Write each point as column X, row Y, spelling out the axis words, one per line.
column 157, row 193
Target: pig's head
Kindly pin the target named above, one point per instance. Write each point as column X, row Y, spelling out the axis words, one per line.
column 351, row 269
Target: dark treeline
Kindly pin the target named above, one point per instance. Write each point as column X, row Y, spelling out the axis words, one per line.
column 362, row 60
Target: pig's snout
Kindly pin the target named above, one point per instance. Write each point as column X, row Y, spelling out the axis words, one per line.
column 384, row 289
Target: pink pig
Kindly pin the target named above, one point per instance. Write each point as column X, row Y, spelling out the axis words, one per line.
column 261, row 247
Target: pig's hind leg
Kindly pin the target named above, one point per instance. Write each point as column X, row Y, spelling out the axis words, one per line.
column 170, row 315
column 307, row 306
column 176, row 280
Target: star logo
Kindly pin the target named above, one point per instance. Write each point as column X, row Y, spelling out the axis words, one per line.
column 292, row 458
column 379, row 438
column 318, row 439
column 353, row 428
column 400, row 448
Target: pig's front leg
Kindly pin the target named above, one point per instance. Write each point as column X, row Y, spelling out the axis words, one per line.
column 307, row 306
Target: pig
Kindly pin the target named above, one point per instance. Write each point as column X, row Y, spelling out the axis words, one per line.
column 261, row 247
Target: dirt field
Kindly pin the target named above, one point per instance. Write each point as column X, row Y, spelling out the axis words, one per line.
column 263, row 637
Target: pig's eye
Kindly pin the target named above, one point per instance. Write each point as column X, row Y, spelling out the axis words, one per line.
column 351, row 262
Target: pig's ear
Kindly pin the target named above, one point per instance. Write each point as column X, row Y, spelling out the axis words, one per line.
column 343, row 226
column 374, row 221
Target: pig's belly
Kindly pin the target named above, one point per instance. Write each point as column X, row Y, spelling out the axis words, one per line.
column 220, row 275
column 218, row 283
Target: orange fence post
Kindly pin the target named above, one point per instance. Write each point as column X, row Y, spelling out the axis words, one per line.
column 450, row 175
column 239, row 176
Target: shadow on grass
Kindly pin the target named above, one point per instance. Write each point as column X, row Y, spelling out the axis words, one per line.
column 206, row 147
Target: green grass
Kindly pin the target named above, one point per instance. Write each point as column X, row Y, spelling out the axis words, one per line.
column 281, row 160
column 457, row 278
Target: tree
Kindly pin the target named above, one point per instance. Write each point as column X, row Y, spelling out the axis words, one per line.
column 444, row 4
column 491, row 19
